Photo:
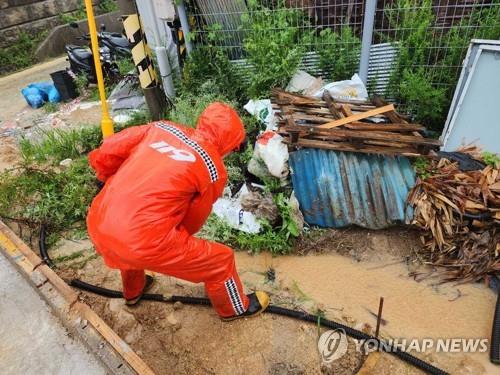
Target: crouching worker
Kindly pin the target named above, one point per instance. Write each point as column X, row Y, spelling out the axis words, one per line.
column 161, row 180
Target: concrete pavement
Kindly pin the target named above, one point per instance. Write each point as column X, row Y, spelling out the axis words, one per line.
column 32, row 340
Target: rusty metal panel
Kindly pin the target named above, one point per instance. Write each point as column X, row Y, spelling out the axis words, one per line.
column 337, row 189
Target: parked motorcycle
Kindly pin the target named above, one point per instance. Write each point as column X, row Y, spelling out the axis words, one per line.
column 111, row 46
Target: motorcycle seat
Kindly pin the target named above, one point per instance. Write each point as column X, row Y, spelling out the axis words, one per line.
column 79, row 51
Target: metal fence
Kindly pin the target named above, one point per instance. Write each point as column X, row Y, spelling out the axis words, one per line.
column 398, row 37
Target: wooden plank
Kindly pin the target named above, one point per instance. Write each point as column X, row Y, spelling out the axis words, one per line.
column 391, row 115
column 338, row 146
column 359, row 116
column 331, row 105
column 346, row 109
column 401, row 127
column 365, row 135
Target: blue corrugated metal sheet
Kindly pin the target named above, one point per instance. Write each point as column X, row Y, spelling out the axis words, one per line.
column 336, row 189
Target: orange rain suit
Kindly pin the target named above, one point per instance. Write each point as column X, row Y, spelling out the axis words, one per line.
column 161, row 181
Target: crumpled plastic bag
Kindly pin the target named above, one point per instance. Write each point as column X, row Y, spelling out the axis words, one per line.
column 231, row 211
column 304, row 83
column 37, row 94
column 269, row 152
column 351, row 89
column 263, row 110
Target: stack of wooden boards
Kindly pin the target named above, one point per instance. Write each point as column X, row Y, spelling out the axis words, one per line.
column 459, row 212
column 343, row 125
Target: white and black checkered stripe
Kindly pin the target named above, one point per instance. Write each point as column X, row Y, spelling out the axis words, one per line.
column 212, row 169
column 234, row 296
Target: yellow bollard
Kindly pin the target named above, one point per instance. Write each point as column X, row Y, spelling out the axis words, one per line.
column 106, row 122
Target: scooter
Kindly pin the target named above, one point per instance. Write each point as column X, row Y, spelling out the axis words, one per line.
column 81, row 59
column 118, row 45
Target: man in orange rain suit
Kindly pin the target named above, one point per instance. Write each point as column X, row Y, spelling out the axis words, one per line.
column 161, row 180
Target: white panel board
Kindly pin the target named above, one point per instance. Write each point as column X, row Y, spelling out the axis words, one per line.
column 475, row 112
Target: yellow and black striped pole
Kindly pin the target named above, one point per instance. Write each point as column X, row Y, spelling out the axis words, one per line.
column 141, row 53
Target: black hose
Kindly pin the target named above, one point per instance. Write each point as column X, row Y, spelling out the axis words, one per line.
column 495, row 335
column 358, row 335
column 43, row 248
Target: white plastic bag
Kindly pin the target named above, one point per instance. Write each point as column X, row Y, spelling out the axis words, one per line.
column 263, row 110
column 304, row 83
column 350, row 89
column 273, row 153
column 231, row 211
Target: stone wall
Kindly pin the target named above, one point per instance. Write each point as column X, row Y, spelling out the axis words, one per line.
column 32, row 16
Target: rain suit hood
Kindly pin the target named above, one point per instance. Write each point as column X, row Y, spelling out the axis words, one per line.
column 220, row 125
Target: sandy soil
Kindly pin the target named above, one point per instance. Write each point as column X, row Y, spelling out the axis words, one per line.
column 346, row 287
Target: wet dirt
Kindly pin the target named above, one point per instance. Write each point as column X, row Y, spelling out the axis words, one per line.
column 193, row 340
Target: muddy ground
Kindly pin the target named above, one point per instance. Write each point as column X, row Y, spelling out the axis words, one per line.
column 341, row 273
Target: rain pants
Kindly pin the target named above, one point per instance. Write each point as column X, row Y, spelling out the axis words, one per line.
column 161, row 180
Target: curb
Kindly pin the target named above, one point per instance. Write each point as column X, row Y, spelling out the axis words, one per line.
column 76, row 316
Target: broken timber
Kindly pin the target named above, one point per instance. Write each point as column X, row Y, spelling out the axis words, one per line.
column 346, row 125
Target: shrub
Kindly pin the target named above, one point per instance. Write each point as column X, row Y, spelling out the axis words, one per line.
column 274, row 45
column 338, row 53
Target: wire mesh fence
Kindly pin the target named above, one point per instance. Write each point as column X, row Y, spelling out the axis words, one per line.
column 417, row 45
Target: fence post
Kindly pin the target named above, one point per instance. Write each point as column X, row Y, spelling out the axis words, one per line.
column 366, row 42
column 181, row 11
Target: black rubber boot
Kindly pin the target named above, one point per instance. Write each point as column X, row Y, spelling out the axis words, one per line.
column 149, row 283
column 258, row 303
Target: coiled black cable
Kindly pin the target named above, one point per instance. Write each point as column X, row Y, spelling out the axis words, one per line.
column 43, row 248
column 354, row 333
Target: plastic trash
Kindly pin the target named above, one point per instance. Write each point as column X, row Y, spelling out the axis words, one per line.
column 272, row 153
column 34, row 97
column 351, row 89
column 304, row 83
column 231, row 211
column 37, row 94
column 53, row 95
column 263, row 110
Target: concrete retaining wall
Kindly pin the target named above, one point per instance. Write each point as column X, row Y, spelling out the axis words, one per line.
column 32, row 16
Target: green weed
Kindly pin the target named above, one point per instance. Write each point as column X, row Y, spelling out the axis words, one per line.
column 21, row 53
column 208, row 70
column 57, row 198
column 338, row 53
column 50, row 107
column 491, row 159
column 81, row 83
column 421, row 166
column 77, row 15
column 274, row 45
column 188, row 107
column 66, row 258
column 125, row 66
column 56, row 145
column 106, row 6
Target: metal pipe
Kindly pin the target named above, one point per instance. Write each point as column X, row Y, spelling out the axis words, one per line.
column 366, row 42
column 181, row 10
column 150, row 22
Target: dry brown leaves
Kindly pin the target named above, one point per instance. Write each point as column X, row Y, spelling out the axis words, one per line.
column 459, row 213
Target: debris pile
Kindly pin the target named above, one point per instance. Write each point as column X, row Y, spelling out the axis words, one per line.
column 459, row 212
column 348, row 125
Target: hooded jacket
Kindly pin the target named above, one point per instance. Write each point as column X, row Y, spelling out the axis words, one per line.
column 161, row 180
